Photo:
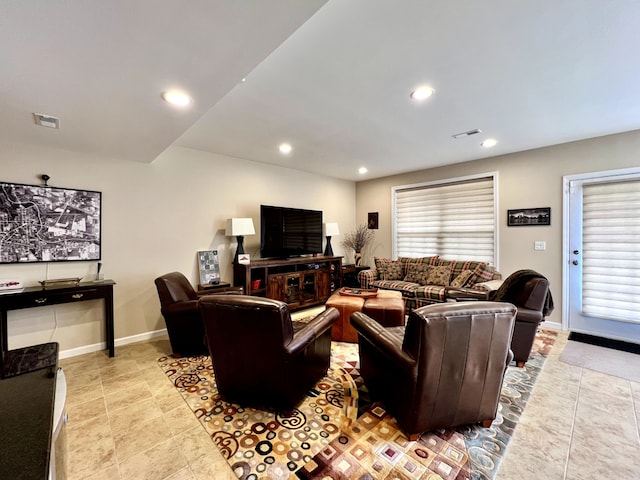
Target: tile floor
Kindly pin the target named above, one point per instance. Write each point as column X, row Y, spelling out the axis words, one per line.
column 578, row 425
column 126, row 421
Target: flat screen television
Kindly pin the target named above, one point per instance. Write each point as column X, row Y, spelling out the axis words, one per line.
column 40, row 223
column 289, row 232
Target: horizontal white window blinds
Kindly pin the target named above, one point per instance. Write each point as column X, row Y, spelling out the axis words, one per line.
column 454, row 220
column 611, row 250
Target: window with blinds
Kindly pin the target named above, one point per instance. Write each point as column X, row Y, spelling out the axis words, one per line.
column 455, row 219
column 611, row 250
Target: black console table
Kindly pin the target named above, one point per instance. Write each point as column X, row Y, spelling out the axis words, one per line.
column 30, row 297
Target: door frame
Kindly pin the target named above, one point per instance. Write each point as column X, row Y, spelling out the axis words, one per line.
column 566, row 254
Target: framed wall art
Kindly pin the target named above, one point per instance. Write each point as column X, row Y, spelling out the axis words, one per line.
column 529, row 217
column 372, row 220
column 49, row 224
column 209, row 267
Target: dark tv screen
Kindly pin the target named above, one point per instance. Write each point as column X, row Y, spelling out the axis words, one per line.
column 40, row 223
column 289, row 232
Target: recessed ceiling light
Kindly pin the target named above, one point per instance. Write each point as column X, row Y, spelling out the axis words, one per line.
column 177, row 98
column 285, row 148
column 489, row 142
column 362, row 170
column 422, row 93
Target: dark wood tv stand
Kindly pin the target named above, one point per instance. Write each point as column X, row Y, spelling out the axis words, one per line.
column 300, row 282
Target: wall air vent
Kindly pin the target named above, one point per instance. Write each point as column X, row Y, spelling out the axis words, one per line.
column 46, row 120
column 468, row 133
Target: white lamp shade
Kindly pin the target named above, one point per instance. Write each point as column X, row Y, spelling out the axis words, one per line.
column 331, row 229
column 240, row 226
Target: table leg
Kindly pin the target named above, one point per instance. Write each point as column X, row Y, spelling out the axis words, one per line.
column 108, row 317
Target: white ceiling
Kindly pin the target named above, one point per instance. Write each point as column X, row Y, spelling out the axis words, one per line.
column 333, row 79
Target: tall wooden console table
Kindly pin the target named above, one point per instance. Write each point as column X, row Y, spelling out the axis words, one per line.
column 31, row 297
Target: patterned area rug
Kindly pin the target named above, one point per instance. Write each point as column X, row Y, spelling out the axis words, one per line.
column 374, row 448
column 260, row 443
column 323, row 439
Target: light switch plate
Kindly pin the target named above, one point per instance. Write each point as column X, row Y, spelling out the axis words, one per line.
column 539, row 245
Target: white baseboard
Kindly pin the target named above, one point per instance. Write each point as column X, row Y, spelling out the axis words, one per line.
column 74, row 352
column 551, row 325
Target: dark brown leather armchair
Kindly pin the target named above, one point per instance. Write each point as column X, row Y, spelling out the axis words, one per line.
column 444, row 368
column 258, row 359
column 179, row 307
column 529, row 291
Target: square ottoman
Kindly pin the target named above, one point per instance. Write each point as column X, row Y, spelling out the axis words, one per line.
column 387, row 309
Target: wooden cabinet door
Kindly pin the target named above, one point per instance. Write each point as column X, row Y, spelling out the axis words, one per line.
column 323, row 284
column 276, row 287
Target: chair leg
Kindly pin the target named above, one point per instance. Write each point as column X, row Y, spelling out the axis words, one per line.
column 486, row 423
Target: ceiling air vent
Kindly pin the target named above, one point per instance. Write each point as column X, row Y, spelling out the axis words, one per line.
column 468, row 133
column 46, row 120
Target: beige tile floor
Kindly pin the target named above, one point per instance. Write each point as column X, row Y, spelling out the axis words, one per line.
column 126, row 421
column 578, row 425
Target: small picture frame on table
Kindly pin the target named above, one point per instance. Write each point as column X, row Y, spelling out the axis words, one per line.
column 209, row 267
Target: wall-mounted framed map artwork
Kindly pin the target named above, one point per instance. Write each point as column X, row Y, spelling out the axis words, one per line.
column 40, row 223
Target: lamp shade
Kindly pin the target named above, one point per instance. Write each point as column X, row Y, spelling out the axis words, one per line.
column 331, row 229
column 240, row 226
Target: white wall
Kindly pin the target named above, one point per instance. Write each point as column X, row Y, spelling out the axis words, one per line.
column 526, row 180
column 154, row 219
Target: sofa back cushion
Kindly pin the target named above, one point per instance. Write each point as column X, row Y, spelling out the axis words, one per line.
column 440, row 275
column 406, row 261
column 482, row 271
column 389, row 269
column 418, row 273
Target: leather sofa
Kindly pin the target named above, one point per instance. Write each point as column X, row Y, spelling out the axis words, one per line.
column 443, row 369
column 258, row 358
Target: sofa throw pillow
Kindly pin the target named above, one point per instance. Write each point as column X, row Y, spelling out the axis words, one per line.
column 418, row 273
column 439, row 276
column 462, row 279
column 482, row 273
column 388, row 269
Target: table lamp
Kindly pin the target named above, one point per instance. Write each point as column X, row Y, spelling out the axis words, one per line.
column 330, row 230
column 239, row 227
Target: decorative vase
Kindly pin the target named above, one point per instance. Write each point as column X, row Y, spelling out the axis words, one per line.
column 358, row 258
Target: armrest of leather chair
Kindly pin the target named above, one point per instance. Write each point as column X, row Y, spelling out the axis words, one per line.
column 379, row 336
column 527, row 315
column 312, row 330
column 463, row 294
column 181, row 307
